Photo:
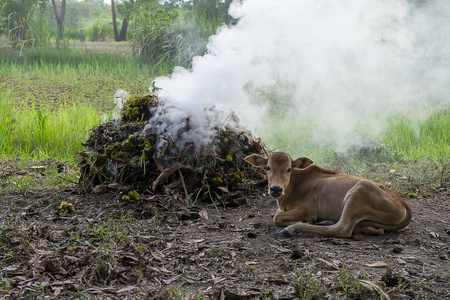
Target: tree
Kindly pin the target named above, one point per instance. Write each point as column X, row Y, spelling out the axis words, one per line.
column 123, row 31
column 60, row 17
column 127, row 9
column 114, row 20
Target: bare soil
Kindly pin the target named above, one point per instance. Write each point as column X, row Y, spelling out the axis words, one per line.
column 123, row 48
column 160, row 249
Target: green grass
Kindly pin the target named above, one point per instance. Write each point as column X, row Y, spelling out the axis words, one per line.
column 67, row 65
column 415, row 139
column 405, row 138
column 50, row 98
column 35, row 133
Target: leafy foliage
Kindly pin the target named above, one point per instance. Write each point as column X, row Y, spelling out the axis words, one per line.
column 13, row 16
column 171, row 32
column 148, row 33
column 49, row 98
column 175, row 36
column 39, row 30
column 100, row 31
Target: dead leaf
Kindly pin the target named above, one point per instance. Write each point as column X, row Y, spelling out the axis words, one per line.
column 100, row 189
column 164, row 174
column 126, row 289
column 281, row 249
column 218, row 280
column 226, row 295
column 57, row 292
column 194, row 241
column 9, row 268
column 378, row 264
column 71, row 170
column 115, row 186
column 375, row 288
column 56, row 283
column 170, row 280
column 38, row 167
column 158, row 164
column 42, row 252
column 204, row 214
column 133, row 160
column 223, row 189
column 401, row 261
column 328, row 263
column 147, row 237
column 155, row 256
column 50, row 267
column 174, row 184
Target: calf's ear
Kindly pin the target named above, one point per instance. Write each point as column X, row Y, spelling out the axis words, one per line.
column 302, row 162
column 256, row 160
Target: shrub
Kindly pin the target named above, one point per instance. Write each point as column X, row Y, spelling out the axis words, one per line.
column 171, row 37
column 101, row 31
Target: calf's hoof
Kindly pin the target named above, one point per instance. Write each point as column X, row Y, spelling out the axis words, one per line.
column 357, row 237
column 284, row 233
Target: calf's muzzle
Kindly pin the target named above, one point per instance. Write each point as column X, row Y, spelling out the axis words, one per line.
column 275, row 191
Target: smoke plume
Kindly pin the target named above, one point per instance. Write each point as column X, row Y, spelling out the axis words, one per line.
column 344, row 66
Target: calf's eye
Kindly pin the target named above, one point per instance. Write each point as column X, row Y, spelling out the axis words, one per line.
column 289, row 170
column 268, row 168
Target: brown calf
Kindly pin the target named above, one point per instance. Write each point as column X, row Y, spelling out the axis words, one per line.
column 306, row 192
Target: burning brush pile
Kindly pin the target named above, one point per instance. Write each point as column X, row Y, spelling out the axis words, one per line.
column 148, row 152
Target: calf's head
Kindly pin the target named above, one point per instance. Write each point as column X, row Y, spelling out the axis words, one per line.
column 279, row 167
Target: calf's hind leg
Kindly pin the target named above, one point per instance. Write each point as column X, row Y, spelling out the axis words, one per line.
column 366, row 203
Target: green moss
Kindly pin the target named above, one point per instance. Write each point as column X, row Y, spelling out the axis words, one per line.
column 131, row 196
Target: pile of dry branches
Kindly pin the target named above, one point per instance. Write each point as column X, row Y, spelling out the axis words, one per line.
column 120, row 154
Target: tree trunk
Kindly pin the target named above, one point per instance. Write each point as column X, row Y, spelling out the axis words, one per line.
column 60, row 18
column 113, row 10
column 123, row 31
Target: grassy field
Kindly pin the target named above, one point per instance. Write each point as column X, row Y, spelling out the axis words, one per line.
column 405, row 138
column 50, row 99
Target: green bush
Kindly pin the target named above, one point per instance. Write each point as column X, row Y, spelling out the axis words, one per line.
column 13, row 16
column 148, row 33
column 39, row 31
column 172, row 37
column 78, row 34
column 100, row 31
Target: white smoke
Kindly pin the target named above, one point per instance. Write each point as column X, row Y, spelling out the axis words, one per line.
column 120, row 97
column 343, row 64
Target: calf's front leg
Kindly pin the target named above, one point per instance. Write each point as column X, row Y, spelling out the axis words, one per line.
column 289, row 217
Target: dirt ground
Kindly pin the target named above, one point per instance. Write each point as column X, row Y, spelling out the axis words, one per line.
column 123, row 48
column 159, row 249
